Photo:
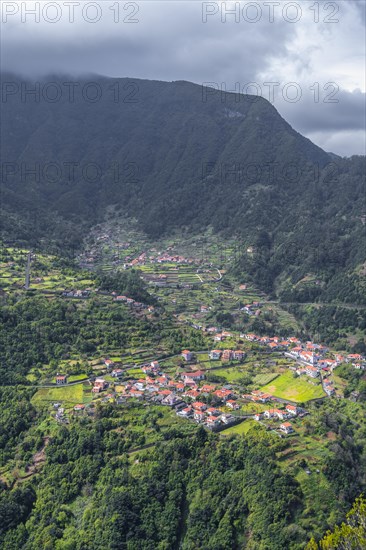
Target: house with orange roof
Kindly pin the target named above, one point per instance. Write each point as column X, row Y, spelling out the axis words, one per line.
column 312, row 371
column 223, row 394
column 163, row 380
column 292, row 409
column 296, row 351
column 186, row 412
column 206, row 388
column 212, row 422
column 286, row 427
column 215, row 354
column 61, row 379
column 193, row 394
column 194, row 376
column 264, row 397
column 199, row 406
column 285, row 343
column 171, row 400
column 281, row 414
column 99, row 385
column 252, row 337
column 187, row 355
column 211, row 411
column 308, row 357
column 354, row 357
column 164, row 393
column 259, row 396
column 232, row 404
column 136, row 393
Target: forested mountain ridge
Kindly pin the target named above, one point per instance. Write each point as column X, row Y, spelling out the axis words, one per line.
column 176, row 155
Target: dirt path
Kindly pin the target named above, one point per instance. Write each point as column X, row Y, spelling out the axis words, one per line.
column 39, row 458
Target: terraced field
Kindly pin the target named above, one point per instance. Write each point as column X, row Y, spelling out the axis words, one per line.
column 173, row 274
column 241, row 428
column 295, row 389
column 67, row 395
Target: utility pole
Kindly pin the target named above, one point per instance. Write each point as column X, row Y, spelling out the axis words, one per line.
column 27, row 270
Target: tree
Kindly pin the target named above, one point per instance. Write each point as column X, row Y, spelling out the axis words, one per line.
column 350, row 535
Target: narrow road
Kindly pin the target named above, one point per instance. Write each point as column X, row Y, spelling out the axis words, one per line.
column 334, row 304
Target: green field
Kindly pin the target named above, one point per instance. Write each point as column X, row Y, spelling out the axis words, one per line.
column 66, row 395
column 232, row 374
column 241, row 428
column 264, row 378
column 294, row 389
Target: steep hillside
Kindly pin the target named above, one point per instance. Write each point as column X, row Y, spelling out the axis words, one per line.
column 176, row 155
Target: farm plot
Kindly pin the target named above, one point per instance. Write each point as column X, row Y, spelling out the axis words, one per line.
column 265, row 378
column 298, row 389
column 232, row 374
column 68, row 395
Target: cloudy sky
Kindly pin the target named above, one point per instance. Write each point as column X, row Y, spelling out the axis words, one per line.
column 306, row 57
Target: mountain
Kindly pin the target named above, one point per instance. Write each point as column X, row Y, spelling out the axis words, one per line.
column 176, row 155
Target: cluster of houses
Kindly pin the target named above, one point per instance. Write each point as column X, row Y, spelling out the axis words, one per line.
column 211, row 417
column 99, row 385
column 227, row 355
column 77, row 293
column 192, row 398
column 220, row 336
column 131, row 302
column 258, row 396
column 167, row 258
column 158, row 279
column 184, row 395
column 252, row 309
column 311, row 355
column 143, row 258
column 290, row 411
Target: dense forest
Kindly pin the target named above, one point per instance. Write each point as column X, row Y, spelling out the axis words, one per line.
column 36, row 332
column 190, row 490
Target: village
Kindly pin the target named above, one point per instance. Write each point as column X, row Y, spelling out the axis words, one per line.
column 239, row 377
column 219, row 406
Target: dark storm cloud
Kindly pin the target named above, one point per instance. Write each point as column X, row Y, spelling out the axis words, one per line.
column 167, row 42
